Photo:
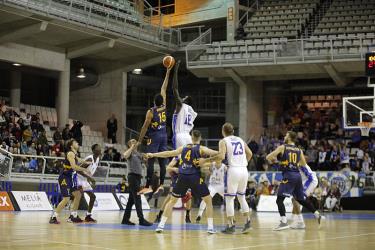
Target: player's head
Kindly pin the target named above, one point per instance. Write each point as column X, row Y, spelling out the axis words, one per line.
column 290, row 137
column 158, row 100
column 131, row 142
column 227, row 129
column 188, row 100
column 96, row 149
column 72, row 145
column 196, row 136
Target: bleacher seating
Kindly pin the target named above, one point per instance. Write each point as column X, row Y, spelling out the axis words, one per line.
column 280, row 18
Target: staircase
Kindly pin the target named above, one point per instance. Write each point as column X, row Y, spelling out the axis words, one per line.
column 316, row 18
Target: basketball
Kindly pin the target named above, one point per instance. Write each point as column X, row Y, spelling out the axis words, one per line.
column 168, row 62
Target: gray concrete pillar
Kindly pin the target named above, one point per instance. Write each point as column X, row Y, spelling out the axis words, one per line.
column 231, row 103
column 122, row 135
column 243, row 112
column 255, row 114
column 232, row 18
column 62, row 100
column 15, row 88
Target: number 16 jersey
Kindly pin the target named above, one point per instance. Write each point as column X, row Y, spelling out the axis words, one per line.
column 236, row 155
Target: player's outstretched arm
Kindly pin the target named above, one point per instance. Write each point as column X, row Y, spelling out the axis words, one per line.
column 272, row 157
column 129, row 151
column 176, row 94
column 208, row 152
column 165, row 154
column 248, row 153
column 163, row 90
column 217, row 157
column 145, row 126
column 71, row 159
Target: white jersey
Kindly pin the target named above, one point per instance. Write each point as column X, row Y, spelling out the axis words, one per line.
column 307, row 174
column 183, row 121
column 236, row 155
column 217, row 175
column 82, row 180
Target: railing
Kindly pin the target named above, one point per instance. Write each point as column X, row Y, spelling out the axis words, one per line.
column 122, row 19
column 198, row 46
column 189, row 34
column 280, row 51
column 252, row 6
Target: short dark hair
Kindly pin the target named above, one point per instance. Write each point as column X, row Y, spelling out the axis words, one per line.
column 94, row 146
column 196, row 134
column 158, row 100
column 228, row 128
column 188, row 100
column 292, row 136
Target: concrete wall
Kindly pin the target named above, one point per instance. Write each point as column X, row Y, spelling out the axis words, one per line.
column 194, row 11
column 255, row 113
column 94, row 105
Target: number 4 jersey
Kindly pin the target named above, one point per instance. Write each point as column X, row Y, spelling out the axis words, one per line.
column 236, row 155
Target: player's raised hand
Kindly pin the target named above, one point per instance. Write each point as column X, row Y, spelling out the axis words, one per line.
column 149, row 155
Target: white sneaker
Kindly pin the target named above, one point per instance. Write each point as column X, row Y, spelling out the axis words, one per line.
column 281, row 226
column 211, row 231
column 298, row 225
column 159, row 230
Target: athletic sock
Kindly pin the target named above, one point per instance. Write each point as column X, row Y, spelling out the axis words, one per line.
column 88, row 214
column 300, row 218
column 283, row 219
column 74, row 214
column 210, row 223
column 55, row 214
column 200, row 212
column 162, row 222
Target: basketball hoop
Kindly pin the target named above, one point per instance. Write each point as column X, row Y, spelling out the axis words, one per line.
column 365, row 128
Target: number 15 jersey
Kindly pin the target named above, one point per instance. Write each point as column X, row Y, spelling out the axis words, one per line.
column 236, row 155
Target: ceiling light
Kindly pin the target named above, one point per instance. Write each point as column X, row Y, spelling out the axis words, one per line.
column 17, row 64
column 81, row 73
column 137, row 71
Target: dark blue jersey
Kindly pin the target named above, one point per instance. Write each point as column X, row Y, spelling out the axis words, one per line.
column 67, row 168
column 290, row 159
column 158, row 122
column 190, row 160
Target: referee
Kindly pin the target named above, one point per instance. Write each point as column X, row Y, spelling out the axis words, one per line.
column 134, row 178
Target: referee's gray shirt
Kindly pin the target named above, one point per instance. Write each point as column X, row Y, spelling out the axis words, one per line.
column 135, row 163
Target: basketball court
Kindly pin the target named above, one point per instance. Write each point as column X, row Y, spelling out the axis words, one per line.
column 348, row 230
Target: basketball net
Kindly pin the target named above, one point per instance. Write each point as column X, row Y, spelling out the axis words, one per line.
column 365, row 128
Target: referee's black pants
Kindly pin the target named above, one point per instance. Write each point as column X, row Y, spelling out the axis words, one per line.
column 134, row 199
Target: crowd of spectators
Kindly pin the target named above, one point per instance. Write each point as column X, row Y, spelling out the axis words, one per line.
column 321, row 135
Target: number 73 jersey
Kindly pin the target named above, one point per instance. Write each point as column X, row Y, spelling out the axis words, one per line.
column 236, row 155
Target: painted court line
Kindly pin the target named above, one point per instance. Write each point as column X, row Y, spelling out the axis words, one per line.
column 296, row 242
column 77, row 244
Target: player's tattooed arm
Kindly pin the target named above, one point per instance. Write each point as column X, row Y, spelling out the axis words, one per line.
column 163, row 90
column 145, row 126
column 208, row 152
column 272, row 157
column 176, row 94
column 165, row 154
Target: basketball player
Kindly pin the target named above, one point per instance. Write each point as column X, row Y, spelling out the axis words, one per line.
column 68, row 183
column 189, row 176
column 154, row 127
column 238, row 155
column 291, row 186
column 310, row 182
column 172, row 169
column 87, row 185
column 183, row 117
column 215, row 185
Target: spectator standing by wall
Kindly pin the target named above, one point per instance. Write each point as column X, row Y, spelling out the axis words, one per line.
column 57, row 136
column 112, row 128
column 77, row 132
column 66, row 135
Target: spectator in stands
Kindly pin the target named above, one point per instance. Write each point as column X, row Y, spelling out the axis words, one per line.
column 35, row 117
column 333, row 196
column 311, row 156
column 240, row 33
column 27, row 120
column 251, row 194
column 112, row 128
column 24, row 148
column 108, row 155
column 27, row 134
column 4, row 146
column 2, row 119
column 58, row 148
column 122, row 187
column 33, row 165
column 264, row 188
column 42, row 139
column 366, row 164
column 77, row 132
column 66, row 135
column 32, row 149
column 57, row 136
column 3, row 106
column 36, row 125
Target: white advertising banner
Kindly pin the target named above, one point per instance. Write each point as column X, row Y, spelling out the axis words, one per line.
column 267, row 203
column 104, row 202
column 123, row 198
column 32, row 201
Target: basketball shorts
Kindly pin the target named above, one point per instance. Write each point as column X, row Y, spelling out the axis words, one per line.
column 157, row 143
column 291, row 186
column 68, row 184
column 309, row 186
column 83, row 183
column 235, row 181
column 181, row 139
column 216, row 189
column 193, row 182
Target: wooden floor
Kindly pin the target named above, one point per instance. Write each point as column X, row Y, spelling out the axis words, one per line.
column 30, row 230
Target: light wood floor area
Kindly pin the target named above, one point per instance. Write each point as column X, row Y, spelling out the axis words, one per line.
column 30, row 230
